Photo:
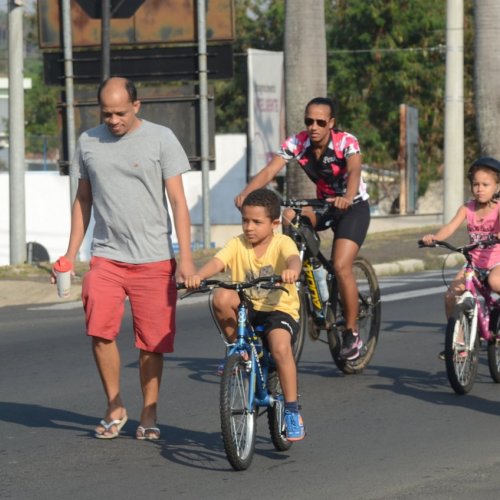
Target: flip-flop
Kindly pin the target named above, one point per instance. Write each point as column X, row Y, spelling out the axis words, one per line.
column 147, row 433
column 108, row 425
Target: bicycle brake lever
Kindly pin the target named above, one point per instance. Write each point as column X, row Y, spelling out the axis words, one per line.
column 271, row 286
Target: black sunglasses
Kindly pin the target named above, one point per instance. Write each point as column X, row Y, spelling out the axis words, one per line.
column 321, row 123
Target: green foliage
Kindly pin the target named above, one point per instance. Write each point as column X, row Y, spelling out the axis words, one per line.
column 259, row 25
column 40, row 102
column 387, row 52
column 381, row 54
column 40, row 109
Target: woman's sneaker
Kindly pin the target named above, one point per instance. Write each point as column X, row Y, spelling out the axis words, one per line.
column 294, row 426
column 351, row 345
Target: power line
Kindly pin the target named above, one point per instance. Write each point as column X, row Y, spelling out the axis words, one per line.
column 441, row 48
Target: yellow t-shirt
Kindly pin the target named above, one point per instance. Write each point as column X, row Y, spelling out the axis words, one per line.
column 239, row 256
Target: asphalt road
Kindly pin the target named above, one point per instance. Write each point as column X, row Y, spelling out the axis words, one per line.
column 397, row 431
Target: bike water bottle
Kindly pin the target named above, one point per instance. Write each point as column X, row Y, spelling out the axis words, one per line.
column 320, row 275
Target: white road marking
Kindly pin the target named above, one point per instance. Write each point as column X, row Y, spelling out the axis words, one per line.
column 391, row 297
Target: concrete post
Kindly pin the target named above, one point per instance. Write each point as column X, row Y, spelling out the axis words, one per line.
column 17, row 214
column 203, row 90
column 454, row 110
column 69, row 81
column 105, row 39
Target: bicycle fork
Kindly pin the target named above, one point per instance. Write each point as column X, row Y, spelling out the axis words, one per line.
column 470, row 307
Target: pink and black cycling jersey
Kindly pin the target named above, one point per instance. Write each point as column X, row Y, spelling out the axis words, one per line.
column 481, row 229
column 329, row 172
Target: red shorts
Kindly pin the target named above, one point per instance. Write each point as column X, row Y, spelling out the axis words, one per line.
column 152, row 293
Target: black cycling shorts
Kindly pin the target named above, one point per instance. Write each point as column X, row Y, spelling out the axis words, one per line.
column 271, row 320
column 351, row 224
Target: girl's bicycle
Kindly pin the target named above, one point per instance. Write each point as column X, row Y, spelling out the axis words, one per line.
column 325, row 314
column 476, row 316
column 249, row 381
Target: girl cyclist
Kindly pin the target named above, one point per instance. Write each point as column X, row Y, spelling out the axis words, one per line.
column 482, row 214
column 331, row 158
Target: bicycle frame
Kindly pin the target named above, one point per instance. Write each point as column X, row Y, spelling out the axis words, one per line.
column 258, row 394
column 474, row 289
column 305, row 254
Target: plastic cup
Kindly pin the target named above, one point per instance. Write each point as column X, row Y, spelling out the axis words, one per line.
column 62, row 271
column 63, row 281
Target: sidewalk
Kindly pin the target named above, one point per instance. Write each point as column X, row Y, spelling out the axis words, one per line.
column 391, row 246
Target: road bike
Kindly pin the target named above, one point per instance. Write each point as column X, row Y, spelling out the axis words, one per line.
column 476, row 316
column 317, row 314
column 249, row 381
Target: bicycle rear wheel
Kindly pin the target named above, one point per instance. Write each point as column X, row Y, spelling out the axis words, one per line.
column 276, row 414
column 368, row 318
column 238, row 420
column 461, row 362
column 494, row 346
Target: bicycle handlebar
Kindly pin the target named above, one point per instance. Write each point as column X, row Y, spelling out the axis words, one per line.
column 306, row 202
column 466, row 249
column 268, row 282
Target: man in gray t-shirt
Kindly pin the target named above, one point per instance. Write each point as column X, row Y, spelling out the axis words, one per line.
column 126, row 169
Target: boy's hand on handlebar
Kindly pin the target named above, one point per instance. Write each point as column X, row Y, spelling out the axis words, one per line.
column 289, row 276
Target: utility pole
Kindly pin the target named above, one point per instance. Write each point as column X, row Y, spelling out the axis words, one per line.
column 203, row 90
column 105, row 38
column 17, row 214
column 454, row 110
column 70, row 99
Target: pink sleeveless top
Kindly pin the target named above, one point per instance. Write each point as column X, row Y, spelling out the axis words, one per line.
column 480, row 229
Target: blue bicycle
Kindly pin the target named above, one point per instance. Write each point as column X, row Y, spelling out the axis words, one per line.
column 249, row 381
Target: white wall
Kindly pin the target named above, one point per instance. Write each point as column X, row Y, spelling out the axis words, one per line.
column 48, row 203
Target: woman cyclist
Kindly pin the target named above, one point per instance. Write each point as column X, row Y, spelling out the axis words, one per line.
column 331, row 158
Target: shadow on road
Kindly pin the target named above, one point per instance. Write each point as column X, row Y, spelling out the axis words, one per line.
column 432, row 388
column 31, row 415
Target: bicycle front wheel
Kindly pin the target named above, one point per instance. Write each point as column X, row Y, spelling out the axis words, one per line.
column 368, row 318
column 494, row 346
column 461, row 357
column 276, row 415
column 238, row 419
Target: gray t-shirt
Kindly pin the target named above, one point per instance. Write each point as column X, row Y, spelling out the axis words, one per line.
column 127, row 174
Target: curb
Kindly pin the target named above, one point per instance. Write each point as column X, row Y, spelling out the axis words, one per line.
column 399, row 267
column 415, row 265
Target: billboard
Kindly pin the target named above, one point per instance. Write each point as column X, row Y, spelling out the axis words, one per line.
column 265, row 106
column 152, row 23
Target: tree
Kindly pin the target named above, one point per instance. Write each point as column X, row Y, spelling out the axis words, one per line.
column 388, row 52
column 305, row 75
column 487, row 74
column 259, row 25
column 40, row 111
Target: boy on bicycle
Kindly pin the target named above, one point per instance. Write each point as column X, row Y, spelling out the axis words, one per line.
column 255, row 253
